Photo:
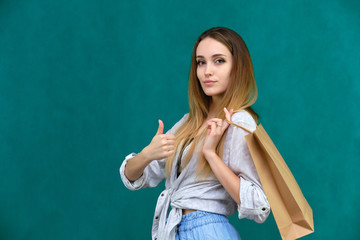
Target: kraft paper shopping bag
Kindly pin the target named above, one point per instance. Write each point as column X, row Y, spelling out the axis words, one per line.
column 292, row 213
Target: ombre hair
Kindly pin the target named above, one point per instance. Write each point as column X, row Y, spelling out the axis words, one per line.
column 240, row 94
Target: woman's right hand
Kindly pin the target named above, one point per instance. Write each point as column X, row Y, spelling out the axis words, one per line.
column 161, row 146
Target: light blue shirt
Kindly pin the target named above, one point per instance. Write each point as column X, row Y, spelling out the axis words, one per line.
column 189, row 192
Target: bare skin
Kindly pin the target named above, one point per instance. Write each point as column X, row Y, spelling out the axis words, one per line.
column 161, row 146
column 213, row 72
column 230, row 181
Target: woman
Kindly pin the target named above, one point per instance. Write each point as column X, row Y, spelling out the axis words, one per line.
column 208, row 169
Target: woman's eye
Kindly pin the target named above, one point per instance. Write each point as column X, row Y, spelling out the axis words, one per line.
column 219, row 61
column 200, row 63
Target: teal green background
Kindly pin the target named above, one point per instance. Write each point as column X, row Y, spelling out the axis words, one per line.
column 83, row 82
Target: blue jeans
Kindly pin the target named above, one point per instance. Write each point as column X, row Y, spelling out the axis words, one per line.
column 201, row 225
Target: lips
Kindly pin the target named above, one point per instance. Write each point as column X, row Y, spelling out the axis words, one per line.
column 209, row 82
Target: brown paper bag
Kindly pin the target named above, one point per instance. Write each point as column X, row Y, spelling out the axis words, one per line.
column 292, row 213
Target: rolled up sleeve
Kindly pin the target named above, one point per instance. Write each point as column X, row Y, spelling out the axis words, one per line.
column 139, row 183
column 153, row 174
column 253, row 202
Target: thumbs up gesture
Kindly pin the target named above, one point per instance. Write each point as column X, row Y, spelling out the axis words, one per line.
column 161, row 146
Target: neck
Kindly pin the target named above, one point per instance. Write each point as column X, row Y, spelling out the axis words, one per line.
column 215, row 100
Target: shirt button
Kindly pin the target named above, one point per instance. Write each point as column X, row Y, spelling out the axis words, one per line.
column 162, row 194
column 263, row 209
column 157, row 217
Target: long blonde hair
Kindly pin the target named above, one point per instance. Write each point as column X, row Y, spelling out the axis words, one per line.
column 240, row 94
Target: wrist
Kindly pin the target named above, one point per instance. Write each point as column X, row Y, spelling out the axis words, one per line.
column 145, row 155
column 210, row 155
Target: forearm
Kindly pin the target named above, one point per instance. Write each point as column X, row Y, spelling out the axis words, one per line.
column 135, row 167
column 226, row 177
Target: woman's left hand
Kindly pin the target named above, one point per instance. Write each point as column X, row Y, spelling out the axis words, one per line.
column 216, row 128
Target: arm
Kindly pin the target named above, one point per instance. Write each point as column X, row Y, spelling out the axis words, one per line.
column 226, row 177
column 231, row 182
column 147, row 169
column 161, row 146
column 136, row 165
column 236, row 171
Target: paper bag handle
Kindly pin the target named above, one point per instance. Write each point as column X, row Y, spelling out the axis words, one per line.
column 232, row 123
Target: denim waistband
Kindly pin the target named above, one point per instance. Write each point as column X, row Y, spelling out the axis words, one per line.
column 199, row 218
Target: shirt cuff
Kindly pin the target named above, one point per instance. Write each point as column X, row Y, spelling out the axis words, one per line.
column 253, row 202
column 132, row 185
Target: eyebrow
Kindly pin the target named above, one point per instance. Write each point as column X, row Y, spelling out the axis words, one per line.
column 215, row 55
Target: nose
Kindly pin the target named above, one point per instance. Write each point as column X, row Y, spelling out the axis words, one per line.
column 208, row 70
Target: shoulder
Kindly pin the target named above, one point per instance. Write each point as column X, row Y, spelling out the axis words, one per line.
column 186, row 115
column 178, row 124
column 244, row 119
column 184, row 118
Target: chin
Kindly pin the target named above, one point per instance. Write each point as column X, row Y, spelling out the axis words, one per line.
column 211, row 93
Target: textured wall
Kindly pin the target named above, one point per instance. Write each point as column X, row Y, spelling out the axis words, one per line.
column 83, row 82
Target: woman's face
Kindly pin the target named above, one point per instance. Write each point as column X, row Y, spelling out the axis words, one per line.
column 214, row 64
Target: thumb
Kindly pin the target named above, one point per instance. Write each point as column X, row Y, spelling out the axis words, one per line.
column 228, row 114
column 161, row 128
